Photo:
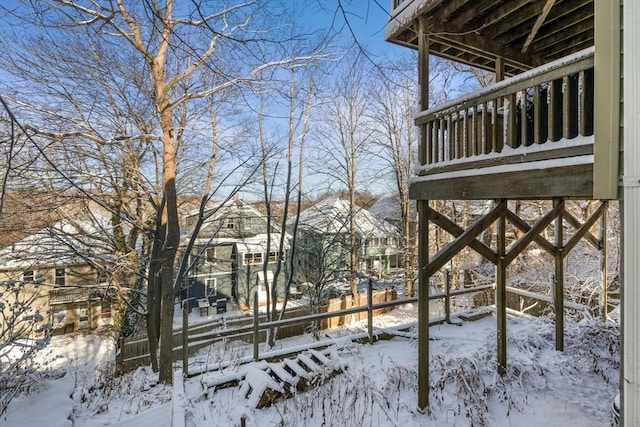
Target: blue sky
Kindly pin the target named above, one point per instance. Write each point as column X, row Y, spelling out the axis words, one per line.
column 364, row 18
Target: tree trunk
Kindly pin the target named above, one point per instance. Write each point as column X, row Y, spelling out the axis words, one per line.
column 172, row 240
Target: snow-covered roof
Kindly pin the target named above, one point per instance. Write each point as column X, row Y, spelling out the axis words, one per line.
column 66, row 242
column 257, row 243
column 388, row 207
column 331, row 216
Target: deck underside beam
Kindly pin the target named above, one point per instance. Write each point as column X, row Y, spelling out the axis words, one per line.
column 570, row 182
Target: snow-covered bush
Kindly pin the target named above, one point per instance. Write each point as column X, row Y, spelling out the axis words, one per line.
column 592, row 347
column 24, row 330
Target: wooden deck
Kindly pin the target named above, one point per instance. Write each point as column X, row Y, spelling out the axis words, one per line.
column 540, row 134
column 528, row 137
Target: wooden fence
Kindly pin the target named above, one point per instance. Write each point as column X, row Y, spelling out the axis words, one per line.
column 134, row 352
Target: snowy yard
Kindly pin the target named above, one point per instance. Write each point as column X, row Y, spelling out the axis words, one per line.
column 378, row 386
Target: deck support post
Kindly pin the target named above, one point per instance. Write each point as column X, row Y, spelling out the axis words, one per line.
column 558, row 284
column 501, row 300
column 423, row 230
column 604, row 287
column 423, row 306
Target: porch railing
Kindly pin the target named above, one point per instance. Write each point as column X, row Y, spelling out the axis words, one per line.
column 70, row 294
column 542, row 114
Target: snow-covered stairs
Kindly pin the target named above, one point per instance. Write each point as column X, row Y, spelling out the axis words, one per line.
column 263, row 382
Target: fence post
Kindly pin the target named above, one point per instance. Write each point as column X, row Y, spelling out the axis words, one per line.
column 185, row 340
column 447, row 295
column 256, row 328
column 120, row 361
column 370, row 310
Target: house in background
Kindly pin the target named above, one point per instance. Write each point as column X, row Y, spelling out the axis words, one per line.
column 229, row 255
column 54, row 270
column 323, row 242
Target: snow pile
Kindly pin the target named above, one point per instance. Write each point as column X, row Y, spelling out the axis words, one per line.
column 377, row 385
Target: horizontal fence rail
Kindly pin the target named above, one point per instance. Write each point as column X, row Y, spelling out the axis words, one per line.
column 135, row 352
column 521, row 115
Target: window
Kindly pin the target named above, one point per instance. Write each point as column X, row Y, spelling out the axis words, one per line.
column 83, row 315
column 274, row 256
column 28, row 276
column 253, row 258
column 105, row 310
column 60, row 277
column 211, row 254
column 212, row 287
column 231, row 223
column 248, row 223
column 28, row 315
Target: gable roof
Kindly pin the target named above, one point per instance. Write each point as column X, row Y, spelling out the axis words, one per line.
column 218, row 211
column 232, row 208
column 387, row 207
column 68, row 241
column 331, row 216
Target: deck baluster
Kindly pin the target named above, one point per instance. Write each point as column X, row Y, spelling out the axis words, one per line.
column 466, row 133
column 486, row 125
column 586, row 102
column 570, row 106
column 441, row 144
column 555, row 110
column 537, row 122
column 427, row 136
column 436, row 141
column 511, row 134
column 450, row 138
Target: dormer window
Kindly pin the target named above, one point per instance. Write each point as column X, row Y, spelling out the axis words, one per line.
column 231, row 223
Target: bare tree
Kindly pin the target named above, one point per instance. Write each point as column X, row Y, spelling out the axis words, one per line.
column 299, row 99
column 345, row 140
column 158, row 54
column 321, row 257
column 393, row 110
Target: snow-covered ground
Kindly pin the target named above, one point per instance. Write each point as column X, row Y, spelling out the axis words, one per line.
column 378, row 386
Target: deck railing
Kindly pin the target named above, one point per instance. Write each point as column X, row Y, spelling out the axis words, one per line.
column 68, row 294
column 540, row 114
